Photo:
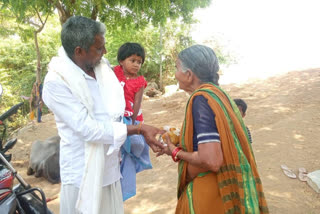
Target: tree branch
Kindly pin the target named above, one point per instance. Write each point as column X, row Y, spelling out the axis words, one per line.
column 39, row 17
column 33, row 23
column 94, row 12
column 62, row 12
column 58, row 5
column 43, row 24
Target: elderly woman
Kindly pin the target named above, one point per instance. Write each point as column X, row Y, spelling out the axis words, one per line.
column 217, row 170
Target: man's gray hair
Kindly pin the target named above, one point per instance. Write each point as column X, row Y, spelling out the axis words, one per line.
column 202, row 61
column 80, row 31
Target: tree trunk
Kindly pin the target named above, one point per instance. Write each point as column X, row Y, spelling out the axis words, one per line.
column 38, row 71
column 94, row 13
column 65, row 13
column 63, row 16
column 161, row 85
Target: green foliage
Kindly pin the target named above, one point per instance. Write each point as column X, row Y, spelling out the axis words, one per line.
column 121, row 12
column 175, row 37
column 24, row 10
column 23, row 18
column 18, row 57
column 126, row 21
column 18, row 65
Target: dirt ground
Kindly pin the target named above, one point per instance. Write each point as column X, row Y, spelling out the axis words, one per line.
column 284, row 119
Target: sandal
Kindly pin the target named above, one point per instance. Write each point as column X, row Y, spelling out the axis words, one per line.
column 302, row 174
column 288, row 172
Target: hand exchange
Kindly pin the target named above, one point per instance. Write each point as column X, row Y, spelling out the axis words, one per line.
column 149, row 133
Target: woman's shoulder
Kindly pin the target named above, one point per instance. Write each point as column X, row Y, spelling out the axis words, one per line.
column 200, row 104
column 200, row 100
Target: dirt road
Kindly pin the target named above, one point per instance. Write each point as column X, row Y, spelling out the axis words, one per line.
column 284, row 119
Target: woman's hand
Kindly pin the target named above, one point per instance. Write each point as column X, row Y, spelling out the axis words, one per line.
column 168, row 148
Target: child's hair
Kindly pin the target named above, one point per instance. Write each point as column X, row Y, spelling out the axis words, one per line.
column 128, row 49
column 242, row 104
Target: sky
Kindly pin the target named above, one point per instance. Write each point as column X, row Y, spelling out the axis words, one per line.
column 266, row 36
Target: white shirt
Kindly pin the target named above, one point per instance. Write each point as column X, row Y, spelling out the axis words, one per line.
column 75, row 127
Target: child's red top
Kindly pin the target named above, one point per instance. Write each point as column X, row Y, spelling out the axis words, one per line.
column 130, row 87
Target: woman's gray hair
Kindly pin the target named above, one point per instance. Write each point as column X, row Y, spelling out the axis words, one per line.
column 80, row 31
column 202, row 61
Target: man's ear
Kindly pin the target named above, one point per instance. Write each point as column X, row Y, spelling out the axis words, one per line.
column 78, row 52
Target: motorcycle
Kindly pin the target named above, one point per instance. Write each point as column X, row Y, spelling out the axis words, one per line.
column 21, row 198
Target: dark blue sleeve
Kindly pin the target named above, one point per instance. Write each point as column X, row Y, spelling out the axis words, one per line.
column 204, row 124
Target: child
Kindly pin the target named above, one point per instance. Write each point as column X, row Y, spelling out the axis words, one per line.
column 135, row 151
column 242, row 106
column 131, row 57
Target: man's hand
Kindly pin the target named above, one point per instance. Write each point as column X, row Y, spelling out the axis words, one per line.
column 149, row 133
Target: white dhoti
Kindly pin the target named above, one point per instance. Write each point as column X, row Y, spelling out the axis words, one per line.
column 111, row 200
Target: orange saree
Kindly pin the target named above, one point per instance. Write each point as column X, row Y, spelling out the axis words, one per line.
column 236, row 188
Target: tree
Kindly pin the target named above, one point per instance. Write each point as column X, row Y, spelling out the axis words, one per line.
column 34, row 14
column 115, row 12
column 18, row 62
column 176, row 37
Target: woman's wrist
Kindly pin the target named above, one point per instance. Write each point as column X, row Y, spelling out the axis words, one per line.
column 177, row 155
column 172, row 148
column 174, row 154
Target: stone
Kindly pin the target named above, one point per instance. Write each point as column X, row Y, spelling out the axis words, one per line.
column 153, row 85
column 152, row 90
column 170, row 90
column 44, row 159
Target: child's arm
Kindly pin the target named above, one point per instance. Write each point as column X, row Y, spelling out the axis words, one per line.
column 137, row 104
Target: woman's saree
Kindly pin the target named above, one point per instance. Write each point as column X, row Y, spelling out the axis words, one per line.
column 236, row 187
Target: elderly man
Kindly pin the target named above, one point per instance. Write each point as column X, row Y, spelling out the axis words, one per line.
column 88, row 104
